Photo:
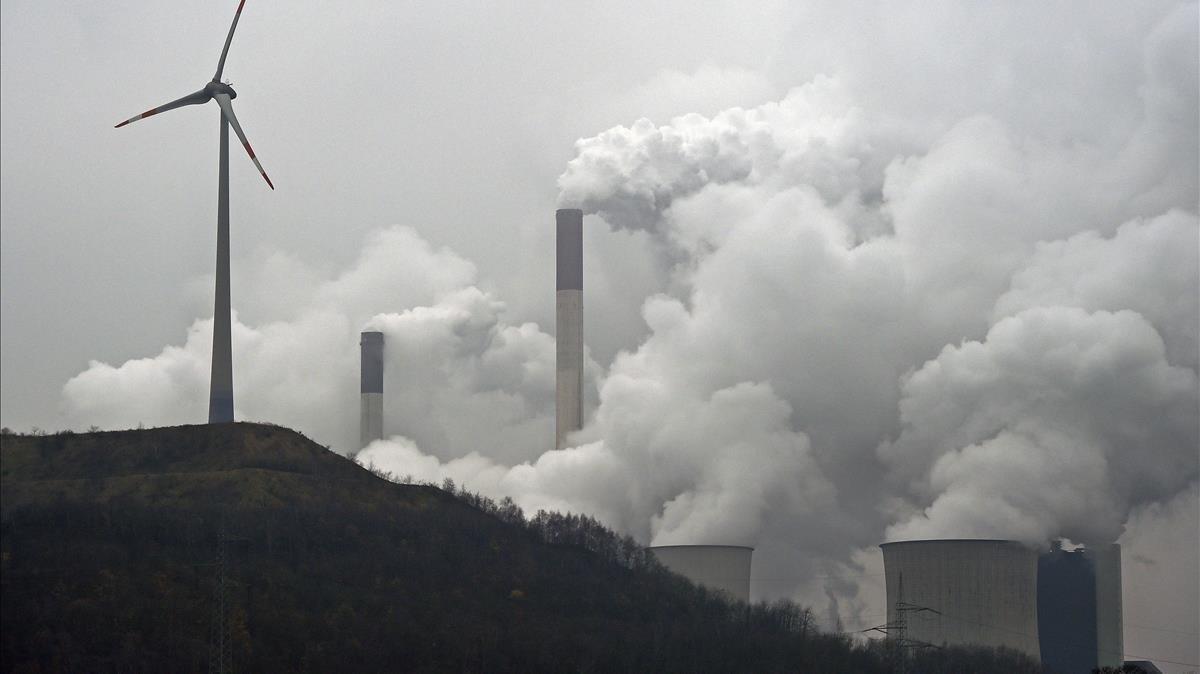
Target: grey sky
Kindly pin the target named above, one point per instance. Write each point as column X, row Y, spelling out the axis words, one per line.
column 1023, row 180
column 450, row 117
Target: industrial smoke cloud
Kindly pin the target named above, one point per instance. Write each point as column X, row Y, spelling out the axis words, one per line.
column 927, row 319
column 461, row 360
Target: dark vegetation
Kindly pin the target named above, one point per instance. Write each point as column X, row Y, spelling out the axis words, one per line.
column 109, row 563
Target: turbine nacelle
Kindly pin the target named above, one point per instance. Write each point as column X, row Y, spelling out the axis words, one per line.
column 218, row 91
column 214, row 88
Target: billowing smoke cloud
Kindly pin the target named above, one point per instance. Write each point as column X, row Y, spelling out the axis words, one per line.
column 927, row 319
column 1054, row 425
column 824, row 263
column 815, row 137
column 1078, row 404
column 459, row 378
column 1149, row 266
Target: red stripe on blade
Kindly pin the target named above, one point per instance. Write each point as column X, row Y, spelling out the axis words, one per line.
column 134, row 119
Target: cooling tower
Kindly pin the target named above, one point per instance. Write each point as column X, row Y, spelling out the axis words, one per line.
column 569, row 325
column 963, row 592
column 1079, row 609
column 370, row 420
column 725, row 568
column 1110, row 623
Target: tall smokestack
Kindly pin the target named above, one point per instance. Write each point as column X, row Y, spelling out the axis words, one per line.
column 370, row 420
column 569, row 325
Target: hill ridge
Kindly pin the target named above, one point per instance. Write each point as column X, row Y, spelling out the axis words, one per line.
column 332, row 568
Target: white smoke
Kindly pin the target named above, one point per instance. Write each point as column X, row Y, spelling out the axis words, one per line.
column 943, row 317
column 1055, row 425
column 1148, row 266
column 459, row 377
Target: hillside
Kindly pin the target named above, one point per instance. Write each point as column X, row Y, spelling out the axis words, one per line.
column 110, row 562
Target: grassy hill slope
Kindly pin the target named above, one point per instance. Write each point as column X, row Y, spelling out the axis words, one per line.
column 112, row 549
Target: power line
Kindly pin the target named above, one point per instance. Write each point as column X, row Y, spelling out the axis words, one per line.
column 1123, row 656
column 221, row 646
column 897, row 630
column 827, row 576
column 1161, row 629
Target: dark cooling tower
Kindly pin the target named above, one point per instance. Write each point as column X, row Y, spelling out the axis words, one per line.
column 370, row 420
column 1079, row 609
column 569, row 325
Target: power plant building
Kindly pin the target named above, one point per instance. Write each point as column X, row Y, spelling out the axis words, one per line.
column 723, row 568
column 370, row 420
column 1079, row 609
column 963, row 592
column 568, row 325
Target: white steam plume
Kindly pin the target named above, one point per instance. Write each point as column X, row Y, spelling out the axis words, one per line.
column 1053, row 426
column 452, row 358
column 927, row 319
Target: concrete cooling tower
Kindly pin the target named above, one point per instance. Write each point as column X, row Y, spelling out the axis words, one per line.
column 963, row 592
column 370, row 419
column 1079, row 609
column 724, row 568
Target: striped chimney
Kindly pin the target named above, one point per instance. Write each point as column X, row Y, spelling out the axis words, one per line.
column 371, row 385
column 569, row 325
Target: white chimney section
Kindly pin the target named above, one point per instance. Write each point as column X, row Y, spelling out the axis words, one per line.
column 569, row 325
column 370, row 420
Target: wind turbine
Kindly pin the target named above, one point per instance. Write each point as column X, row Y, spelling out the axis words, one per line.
column 220, row 395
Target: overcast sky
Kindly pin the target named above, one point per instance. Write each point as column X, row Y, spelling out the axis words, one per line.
column 852, row 273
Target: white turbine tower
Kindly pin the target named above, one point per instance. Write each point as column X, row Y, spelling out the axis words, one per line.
column 220, row 397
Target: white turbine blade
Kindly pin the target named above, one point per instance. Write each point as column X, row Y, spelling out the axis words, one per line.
column 227, row 110
column 228, row 39
column 191, row 99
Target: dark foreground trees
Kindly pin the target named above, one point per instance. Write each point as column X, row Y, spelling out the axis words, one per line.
column 328, row 568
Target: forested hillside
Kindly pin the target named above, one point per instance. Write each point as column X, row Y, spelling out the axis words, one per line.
column 115, row 547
